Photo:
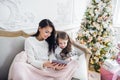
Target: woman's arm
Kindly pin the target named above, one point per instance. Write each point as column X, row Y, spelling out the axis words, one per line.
column 40, row 64
column 30, row 55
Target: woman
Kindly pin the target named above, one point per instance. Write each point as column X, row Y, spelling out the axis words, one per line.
column 35, row 62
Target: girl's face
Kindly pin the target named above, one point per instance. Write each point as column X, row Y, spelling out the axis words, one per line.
column 45, row 32
column 62, row 43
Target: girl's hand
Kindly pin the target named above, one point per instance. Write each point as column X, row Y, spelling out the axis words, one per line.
column 88, row 51
column 60, row 66
column 68, row 59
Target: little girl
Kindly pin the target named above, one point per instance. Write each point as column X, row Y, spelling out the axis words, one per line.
column 64, row 50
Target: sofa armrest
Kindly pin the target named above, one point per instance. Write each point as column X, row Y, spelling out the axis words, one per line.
column 86, row 52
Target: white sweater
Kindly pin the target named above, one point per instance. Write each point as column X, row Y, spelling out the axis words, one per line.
column 37, row 52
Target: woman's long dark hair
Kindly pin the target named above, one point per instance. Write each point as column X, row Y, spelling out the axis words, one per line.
column 50, row 40
column 64, row 36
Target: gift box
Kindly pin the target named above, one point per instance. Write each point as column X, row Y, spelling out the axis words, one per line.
column 105, row 74
column 109, row 70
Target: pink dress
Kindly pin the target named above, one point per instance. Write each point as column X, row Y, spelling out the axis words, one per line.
column 28, row 65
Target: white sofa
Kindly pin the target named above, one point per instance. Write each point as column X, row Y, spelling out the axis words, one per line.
column 10, row 46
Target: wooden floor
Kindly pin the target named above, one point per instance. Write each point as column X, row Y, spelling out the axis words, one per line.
column 94, row 75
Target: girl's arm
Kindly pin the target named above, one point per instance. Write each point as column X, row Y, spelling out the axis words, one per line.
column 81, row 47
column 75, row 57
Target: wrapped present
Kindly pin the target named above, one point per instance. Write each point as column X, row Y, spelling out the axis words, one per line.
column 116, row 76
column 109, row 70
column 105, row 74
column 111, row 65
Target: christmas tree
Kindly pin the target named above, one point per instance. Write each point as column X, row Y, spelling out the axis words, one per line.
column 95, row 32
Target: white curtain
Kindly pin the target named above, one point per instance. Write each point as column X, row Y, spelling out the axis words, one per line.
column 116, row 13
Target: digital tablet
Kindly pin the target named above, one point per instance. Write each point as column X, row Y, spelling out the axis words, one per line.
column 60, row 61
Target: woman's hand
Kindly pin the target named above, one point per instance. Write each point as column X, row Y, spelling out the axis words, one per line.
column 54, row 66
column 48, row 64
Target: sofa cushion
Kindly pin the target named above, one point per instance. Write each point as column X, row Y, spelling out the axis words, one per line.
column 10, row 46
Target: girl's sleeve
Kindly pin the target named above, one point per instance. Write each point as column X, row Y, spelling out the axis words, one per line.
column 73, row 54
column 31, row 57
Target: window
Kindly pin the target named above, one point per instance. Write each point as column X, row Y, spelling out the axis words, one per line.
column 116, row 13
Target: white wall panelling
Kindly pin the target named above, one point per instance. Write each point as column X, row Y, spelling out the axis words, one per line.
column 25, row 14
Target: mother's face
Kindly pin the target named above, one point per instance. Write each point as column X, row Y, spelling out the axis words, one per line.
column 45, row 32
